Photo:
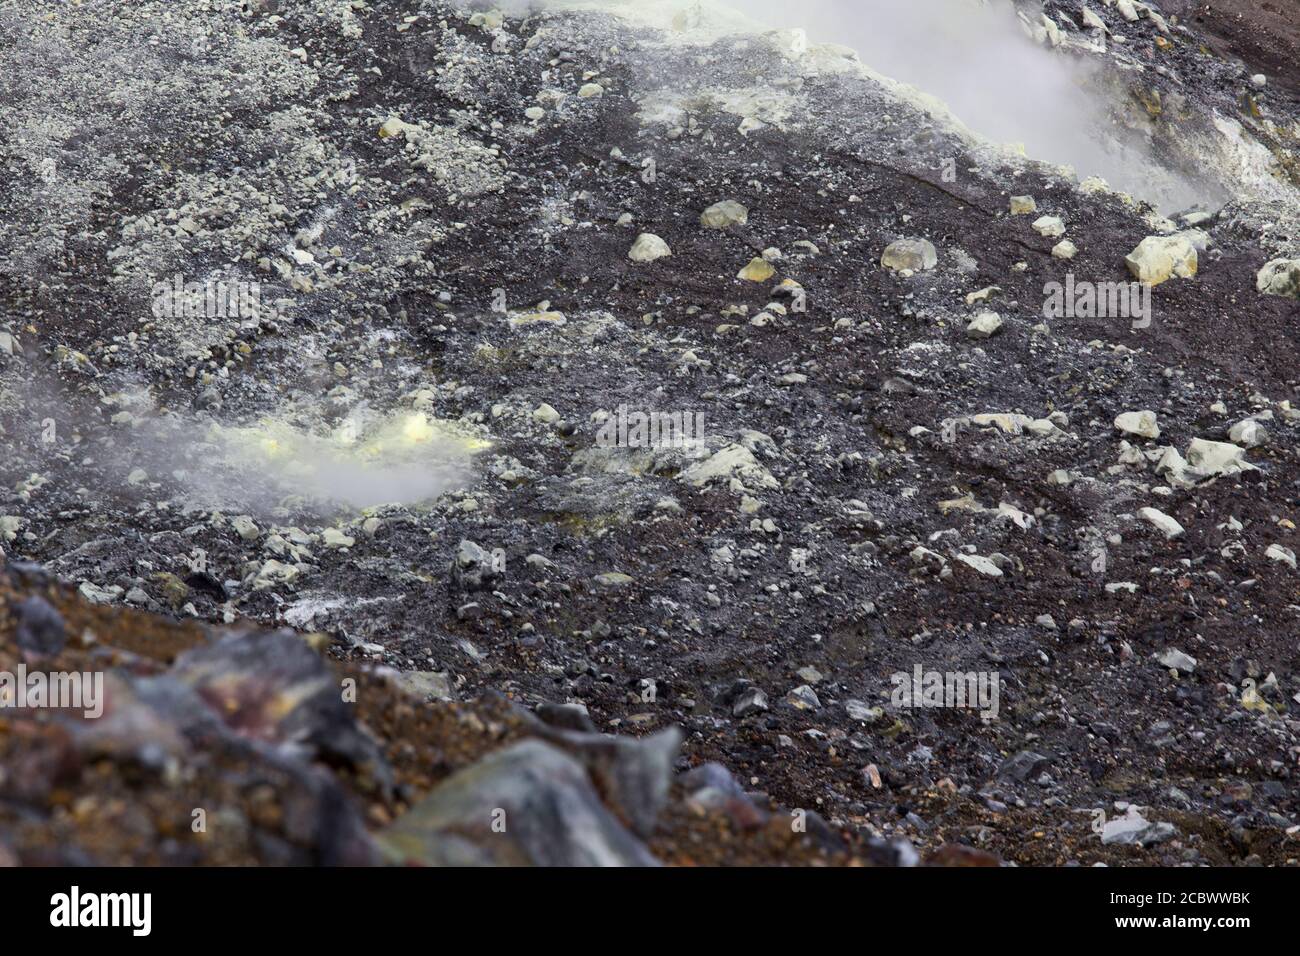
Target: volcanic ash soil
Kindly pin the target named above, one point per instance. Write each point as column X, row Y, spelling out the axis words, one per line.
column 361, row 568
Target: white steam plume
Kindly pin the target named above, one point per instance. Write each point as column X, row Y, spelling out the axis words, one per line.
column 977, row 59
column 971, row 54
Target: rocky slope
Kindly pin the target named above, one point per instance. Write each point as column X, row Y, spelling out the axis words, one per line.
column 248, row 747
column 467, row 240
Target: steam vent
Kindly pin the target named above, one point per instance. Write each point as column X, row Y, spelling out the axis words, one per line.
column 852, row 433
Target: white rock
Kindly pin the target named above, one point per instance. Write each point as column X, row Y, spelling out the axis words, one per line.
column 984, row 325
column 648, row 247
column 981, row 564
column 1052, row 31
column 1143, row 424
column 1052, row 227
column 1217, row 457
column 1171, row 528
column 916, row 255
column 1173, row 468
column 393, row 126
column 1065, row 249
column 546, row 414
column 273, row 573
column 1160, row 258
column 334, row 538
column 1248, row 434
column 96, row 595
column 522, row 319
column 1092, row 21
column 1282, row 555
column 723, row 214
column 757, row 270
column 921, row 555
column 735, row 462
column 1280, row 277
column 1017, row 517
column 1176, row 660
column 1015, row 424
column 1133, row 828
column 1023, row 205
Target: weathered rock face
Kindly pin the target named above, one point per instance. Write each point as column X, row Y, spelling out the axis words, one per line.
column 474, row 568
column 632, row 775
column 41, row 631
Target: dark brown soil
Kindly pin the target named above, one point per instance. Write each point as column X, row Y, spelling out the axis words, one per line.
column 1264, row 34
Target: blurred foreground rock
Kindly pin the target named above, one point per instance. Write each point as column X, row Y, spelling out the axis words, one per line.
column 210, row 746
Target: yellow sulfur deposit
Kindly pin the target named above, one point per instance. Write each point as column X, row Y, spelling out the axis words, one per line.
column 401, row 459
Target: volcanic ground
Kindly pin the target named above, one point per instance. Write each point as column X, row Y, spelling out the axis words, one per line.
column 466, row 240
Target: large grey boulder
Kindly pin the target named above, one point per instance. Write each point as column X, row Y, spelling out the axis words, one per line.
column 633, row 774
column 530, row 804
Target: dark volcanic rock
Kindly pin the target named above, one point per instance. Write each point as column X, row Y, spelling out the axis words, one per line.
column 41, row 631
column 272, row 687
column 530, row 804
